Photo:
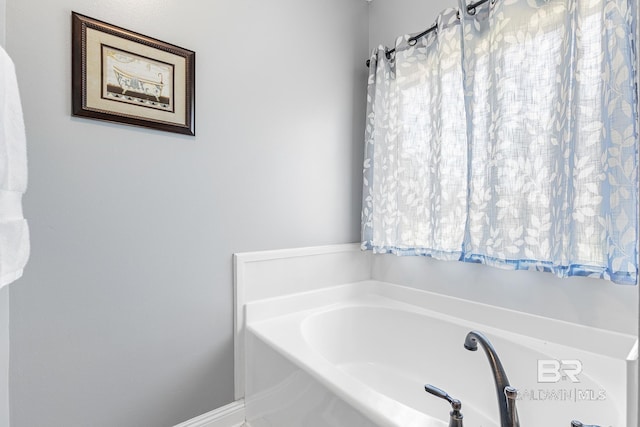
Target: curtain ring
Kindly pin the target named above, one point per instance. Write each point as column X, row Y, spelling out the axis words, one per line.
column 458, row 14
column 412, row 41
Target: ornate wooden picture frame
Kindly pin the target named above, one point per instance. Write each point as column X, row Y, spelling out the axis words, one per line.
column 126, row 77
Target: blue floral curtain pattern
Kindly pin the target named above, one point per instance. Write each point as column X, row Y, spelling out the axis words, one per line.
column 551, row 104
column 544, row 175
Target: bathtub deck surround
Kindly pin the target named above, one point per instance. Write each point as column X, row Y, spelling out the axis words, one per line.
column 374, row 345
column 268, row 274
column 359, row 353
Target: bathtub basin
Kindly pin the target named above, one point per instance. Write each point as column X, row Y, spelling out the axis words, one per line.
column 362, row 353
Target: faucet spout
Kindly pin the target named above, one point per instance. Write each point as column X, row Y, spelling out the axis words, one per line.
column 506, row 393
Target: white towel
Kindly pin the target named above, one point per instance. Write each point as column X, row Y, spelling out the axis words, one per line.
column 14, row 231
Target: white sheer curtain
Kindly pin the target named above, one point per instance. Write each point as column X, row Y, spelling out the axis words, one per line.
column 415, row 168
column 509, row 138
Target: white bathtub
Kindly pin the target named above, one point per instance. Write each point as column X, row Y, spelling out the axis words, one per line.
column 360, row 354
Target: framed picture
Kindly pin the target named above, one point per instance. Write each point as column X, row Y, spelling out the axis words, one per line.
column 126, row 77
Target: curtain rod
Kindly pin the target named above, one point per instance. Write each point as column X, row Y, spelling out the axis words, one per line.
column 471, row 9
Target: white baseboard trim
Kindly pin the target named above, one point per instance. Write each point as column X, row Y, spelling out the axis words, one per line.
column 231, row 415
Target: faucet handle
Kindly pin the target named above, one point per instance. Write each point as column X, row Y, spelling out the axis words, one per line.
column 456, row 405
column 576, row 423
column 455, row 419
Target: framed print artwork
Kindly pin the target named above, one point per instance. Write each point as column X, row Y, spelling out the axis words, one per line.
column 126, row 77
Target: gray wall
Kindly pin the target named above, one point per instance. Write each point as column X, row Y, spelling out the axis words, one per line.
column 389, row 19
column 4, row 356
column 3, row 8
column 4, row 306
column 581, row 300
column 124, row 314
